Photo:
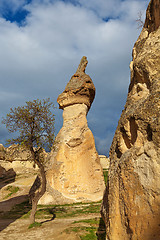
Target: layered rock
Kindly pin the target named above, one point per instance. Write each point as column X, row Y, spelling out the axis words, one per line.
column 75, row 173
column 131, row 204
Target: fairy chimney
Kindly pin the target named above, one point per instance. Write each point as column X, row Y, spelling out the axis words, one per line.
column 75, row 172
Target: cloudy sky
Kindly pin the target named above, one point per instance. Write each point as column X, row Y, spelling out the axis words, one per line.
column 42, row 42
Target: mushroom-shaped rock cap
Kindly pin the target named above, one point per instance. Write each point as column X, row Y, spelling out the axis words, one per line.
column 80, row 88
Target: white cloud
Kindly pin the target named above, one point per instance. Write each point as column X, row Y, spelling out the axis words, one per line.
column 38, row 58
column 102, row 8
column 114, row 8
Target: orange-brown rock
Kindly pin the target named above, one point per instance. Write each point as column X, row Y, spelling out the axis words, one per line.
column 2, row 152
column 131, row 204
column 80, row 89
column 17, row 153
column 75, row 173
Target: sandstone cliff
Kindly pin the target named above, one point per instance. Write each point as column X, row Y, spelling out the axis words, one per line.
column 131, row 204
column 75, row 173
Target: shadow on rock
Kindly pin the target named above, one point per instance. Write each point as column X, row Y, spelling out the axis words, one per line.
column 101, row 232
column 6, row 176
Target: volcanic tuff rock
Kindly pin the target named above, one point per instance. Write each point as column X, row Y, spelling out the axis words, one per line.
column 16, row 170
column 2, row 152
column 131, row 204
column 17, row 153
column 105, row 162
column 79, row 90
column 17, row 160
column 75, row 173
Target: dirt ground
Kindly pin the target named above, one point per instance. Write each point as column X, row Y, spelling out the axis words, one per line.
column 55, row 229
column 14, row 226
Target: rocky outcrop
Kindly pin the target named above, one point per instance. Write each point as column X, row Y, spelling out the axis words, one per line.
column 75, row 173
column 104, row 161
column 79, row 90
column 2, row 152
column 131, row 204
column 16, row 170
column 17, row 153
column 18, row 158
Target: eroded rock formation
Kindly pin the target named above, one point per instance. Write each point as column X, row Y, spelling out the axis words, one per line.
column 2, row 152
column 131, row 204
column 17, row 153
column 75, row 172
column 105, row 162
column 16, row 169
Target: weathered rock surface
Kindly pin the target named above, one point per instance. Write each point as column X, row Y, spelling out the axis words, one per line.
column 79, row 90
column 14, row 152
column 104, row 161
column 16, row 160
column 2, row 152
column 17, row 153
column 131, row 204
column 19, row 167
column 75, row 173
column 16, row 170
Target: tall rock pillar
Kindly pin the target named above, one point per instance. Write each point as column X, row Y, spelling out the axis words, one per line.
column 131, row 204
column 75, row 173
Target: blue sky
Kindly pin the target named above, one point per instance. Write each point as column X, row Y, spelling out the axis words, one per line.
column 42, row 42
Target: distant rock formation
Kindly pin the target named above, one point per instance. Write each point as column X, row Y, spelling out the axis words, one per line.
column 14, row 152
column 16, row 169
column 17, row 152
column 75, row 173
column 2, row 152
column 131, row 204
column 17, row 158
column 104, row 161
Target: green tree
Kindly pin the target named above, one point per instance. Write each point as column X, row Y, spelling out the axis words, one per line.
column 34, row 124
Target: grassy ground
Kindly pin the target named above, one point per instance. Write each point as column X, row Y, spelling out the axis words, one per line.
column 87, row 226
column 89, row 229
column 11, row 190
